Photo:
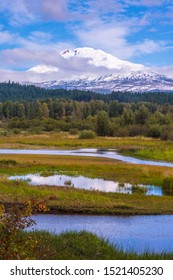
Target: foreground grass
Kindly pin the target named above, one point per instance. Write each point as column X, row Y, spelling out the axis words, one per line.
column 81, row 246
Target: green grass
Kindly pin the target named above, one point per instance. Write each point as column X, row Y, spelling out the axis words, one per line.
column 89, row 167
column 136, row 146
column 71, row 200
column 67, row 141
column 82, row 246
column 80, row 201
column 161, row 151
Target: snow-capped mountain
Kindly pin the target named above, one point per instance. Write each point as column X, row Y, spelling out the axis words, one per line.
column 132, row 82
column 89, row 57
column 101, row 72
column 100, row 58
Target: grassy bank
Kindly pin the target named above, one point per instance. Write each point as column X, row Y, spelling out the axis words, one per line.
column 136, row 146
column 89, row 167
column 66, row 141
column 80, row 246
column 71, row 200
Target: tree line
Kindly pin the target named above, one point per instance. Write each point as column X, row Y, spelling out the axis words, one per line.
column 16, row 92
column 105, row 118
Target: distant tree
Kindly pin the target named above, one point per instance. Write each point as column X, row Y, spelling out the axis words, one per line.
column 45, row 110
column 102, row 123
column 128, row 117
column 142, row 115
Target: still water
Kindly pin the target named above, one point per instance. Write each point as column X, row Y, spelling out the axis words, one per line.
column 112, row 154
column 81, row 182
column 137, row 233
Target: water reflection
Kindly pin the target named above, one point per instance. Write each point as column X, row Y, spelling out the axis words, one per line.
column 82, row 182
column 109, row 153
column 137, row 233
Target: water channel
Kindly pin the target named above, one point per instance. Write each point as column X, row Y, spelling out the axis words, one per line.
column 111, row 154
column 137, row 233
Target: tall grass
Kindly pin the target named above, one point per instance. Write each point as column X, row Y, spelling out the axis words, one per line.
column 83, row 246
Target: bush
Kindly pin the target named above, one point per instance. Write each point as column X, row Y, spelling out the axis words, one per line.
column 167, row 134
column 137, row 130
column 16, row 131
column 73, row 131
column 4, row 133
column 154, row 131
column 12, row 222
column 122, row 132
column 87, row 134
column 8, row 162
column 168, row 186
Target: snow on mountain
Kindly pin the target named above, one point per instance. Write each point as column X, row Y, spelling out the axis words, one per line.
column 101, row 58
column 136, row 81
column 118, row 75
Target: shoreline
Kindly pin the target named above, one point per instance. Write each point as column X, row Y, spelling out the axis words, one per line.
column 55, row 210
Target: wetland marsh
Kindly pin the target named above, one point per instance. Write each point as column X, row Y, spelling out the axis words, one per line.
column 70, row 199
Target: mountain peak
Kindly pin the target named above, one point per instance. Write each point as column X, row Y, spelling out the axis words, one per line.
column 100, row 58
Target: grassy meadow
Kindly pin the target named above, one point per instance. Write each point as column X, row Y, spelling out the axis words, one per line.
column 80, row 201
column 70, row 200
column 142, row 147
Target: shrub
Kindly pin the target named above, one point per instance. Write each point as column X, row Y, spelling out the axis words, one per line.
column 87, row 134
column 136, row 130
column 4, row 133
column 16, row 131
column 14, row 220
column 73, row 131
column 168, row 186
column 122, row 132
column 167, row 134
column 154, row 131
column 8, row 162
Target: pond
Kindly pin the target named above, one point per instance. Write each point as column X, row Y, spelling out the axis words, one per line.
column 111, row 154
column 137, row 233
column 82, row 182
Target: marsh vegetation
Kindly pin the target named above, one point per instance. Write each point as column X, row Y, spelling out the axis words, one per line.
column 72, row 200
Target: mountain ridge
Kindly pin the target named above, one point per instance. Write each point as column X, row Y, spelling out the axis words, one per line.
column 118, row 75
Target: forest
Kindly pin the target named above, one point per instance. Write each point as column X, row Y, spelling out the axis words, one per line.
column 32, row 109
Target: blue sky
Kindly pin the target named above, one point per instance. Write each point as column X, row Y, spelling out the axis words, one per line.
column 33, row 31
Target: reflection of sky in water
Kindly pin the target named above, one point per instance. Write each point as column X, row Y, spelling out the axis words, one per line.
column 138, row 233
column 110, row 153
column 81, row 182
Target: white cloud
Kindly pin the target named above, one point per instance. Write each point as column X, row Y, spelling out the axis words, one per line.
column 103, row 25
column 165, row 70
column 54, row 9
column 6, row 37
column 26, row 11
column 16, row 11
column 148, row 46
column 112, row 37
